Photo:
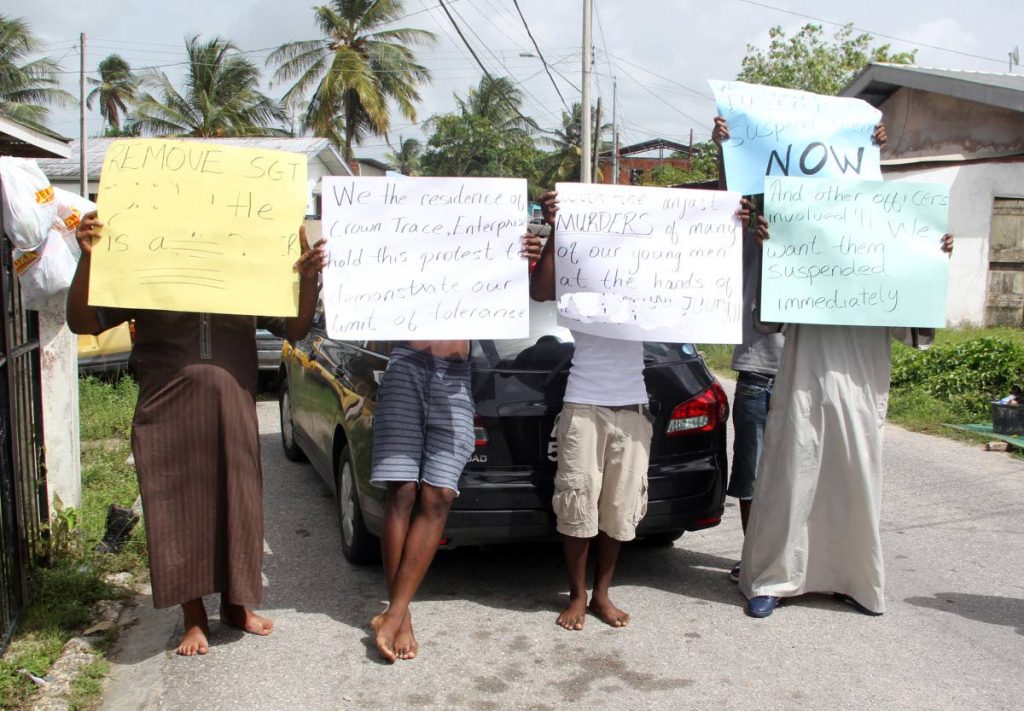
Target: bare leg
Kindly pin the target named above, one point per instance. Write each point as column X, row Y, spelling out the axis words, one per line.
column 420, row 546
column 197, row 629
column 243, row 618
column 600, row 604
column 397, row 516
column 744, row 513
column 575, row 613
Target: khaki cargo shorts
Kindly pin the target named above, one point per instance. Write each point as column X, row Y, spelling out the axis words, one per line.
column 601, row 484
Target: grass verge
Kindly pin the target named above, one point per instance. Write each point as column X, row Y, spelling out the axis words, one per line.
column 65, row 590
column 953, row 382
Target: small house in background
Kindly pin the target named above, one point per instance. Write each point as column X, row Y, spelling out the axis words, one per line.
column 323, row 159
column 636, row 161
column 965, row 130
column 370, row 167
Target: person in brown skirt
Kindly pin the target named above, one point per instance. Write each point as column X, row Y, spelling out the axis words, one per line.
column 196, row 443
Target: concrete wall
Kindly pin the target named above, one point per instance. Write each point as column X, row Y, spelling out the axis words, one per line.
column 973, row 188
column 922, row 124
column 59, row 364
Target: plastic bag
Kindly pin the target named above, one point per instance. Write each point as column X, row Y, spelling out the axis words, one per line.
column 71, row 207
column 28, row 205
column 44, row 273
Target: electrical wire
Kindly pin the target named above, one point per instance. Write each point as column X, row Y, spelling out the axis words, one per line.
column 870, row 32
column 540, row 55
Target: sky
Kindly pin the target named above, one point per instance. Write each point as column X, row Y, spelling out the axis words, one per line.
column 662, row 52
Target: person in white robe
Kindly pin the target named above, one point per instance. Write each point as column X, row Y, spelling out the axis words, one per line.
column 814, row 525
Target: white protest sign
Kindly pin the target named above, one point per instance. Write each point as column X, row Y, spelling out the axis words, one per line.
column 775, row 131
column 649, row 264
column 425, row 258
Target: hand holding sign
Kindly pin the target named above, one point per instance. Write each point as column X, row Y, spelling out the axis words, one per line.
column 784, row 132
column 199, row 226
column 658, row 264
column 425, row 258
column 855, row 253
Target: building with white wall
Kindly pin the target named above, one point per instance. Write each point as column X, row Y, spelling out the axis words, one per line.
column 965, row 130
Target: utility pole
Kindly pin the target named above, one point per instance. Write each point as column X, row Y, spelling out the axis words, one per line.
column 597, row 141
column 585, row 175
column 615, row 132
column 83, row 179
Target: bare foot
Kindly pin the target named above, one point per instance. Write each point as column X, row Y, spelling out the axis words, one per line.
column 197, row 630
column 603, row 608
column 406, row 645
column 574, row 615
column 386, row 630
column 245, row 619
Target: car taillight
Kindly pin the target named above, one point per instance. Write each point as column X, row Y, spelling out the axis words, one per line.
column 723, row 401
column 701, row 413
column 480, row 431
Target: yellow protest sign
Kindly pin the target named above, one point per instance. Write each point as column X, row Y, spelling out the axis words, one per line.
column 199, row 226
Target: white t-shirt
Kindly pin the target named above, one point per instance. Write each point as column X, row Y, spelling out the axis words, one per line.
column 606, row 371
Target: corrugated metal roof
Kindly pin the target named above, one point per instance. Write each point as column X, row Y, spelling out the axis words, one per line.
column 97, row 150
column 23, row 140
column 878, row 81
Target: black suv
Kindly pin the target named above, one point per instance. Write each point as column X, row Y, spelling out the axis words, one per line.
column 327, row 397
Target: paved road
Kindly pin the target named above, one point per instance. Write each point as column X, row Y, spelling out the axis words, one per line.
column 953, row 529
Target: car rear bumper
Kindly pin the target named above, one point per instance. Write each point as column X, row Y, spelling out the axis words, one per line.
column 95, row 365
column 269, row 360
column 685, row 496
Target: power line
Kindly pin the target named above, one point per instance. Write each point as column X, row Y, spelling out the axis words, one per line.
column 870, row 32
column 540, row 54
column 465, row 41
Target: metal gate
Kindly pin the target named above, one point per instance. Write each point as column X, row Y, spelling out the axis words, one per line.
column 24, row 509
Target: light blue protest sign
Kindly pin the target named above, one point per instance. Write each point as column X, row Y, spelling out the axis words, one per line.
column 854, row 253
column 786, row 132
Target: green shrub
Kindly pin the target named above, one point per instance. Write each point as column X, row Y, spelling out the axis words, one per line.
column 107, row 408
column 963, row 376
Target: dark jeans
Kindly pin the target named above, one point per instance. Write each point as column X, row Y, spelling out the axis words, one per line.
column 749, row 413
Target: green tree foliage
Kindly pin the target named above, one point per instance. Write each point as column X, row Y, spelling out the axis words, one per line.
column 963, row 377
column 27, row 87
column 703, row 167
column 407, row 158
column 665, row 174
column 116, row 90
column 811, row 62
column 221, row 97
column 561, row 163
column 486, row 136
column 354, row 71
column 470, row 145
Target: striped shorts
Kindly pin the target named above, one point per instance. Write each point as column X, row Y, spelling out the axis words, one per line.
column 423, row 425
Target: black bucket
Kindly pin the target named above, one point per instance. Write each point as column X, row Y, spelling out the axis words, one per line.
column 1007, row 419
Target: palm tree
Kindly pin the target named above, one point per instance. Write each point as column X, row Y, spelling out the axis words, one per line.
column 26, row 88
column 221, row 97
column 407, row 158
column 354, row 71
column 497, row 99
column 562, row 164
column 116, row 88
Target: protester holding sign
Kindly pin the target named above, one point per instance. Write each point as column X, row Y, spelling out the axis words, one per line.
column 813, row 526
column 755, row 361
column 195, row 438
column 604, row 437
column 423, row 436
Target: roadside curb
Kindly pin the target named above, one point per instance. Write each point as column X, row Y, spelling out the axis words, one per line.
column 82, row 650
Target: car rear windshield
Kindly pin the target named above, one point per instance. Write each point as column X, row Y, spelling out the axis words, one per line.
column 549, row 345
